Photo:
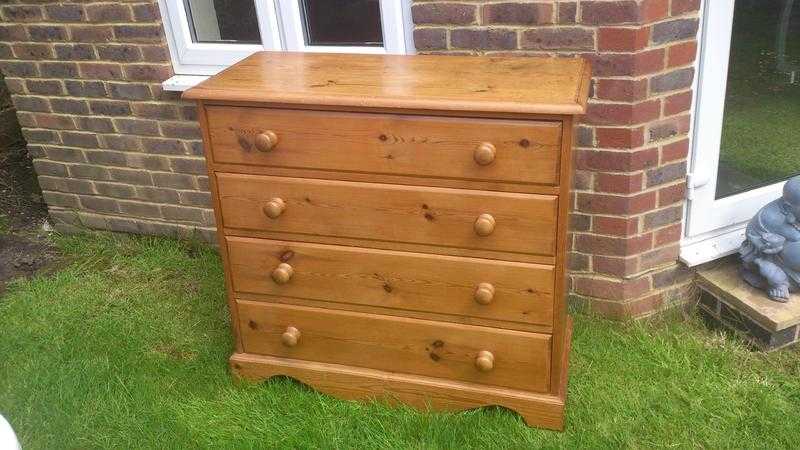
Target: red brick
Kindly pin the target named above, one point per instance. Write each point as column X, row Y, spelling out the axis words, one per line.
column 649, row 62
column 623, row 113
column 684, row 6
column 678, row 103
column 611, row 289
column 622, row 39
column 654, row 10
column 619, row 137
column 617, row 161
column 681, row 54
column 621, row 90
column 671, row 194
column 615, row 226
column 668, row 235
column 609, row 13
column 614, row 204
column 618, row 183
column 621, row 267
column 675, row 151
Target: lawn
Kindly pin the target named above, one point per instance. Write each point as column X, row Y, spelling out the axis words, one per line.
column 125, row 347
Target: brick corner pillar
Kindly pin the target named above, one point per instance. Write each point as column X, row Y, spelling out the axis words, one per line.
column 632, row 146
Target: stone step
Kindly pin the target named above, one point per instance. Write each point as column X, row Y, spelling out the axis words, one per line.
column 727, row 300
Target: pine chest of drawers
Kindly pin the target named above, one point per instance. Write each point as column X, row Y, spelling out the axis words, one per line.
column 395, row 227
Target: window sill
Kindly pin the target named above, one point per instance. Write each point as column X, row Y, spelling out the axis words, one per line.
column 698, row 251
column 180, row 83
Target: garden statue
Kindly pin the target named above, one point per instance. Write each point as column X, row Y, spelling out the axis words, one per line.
column 771, row 250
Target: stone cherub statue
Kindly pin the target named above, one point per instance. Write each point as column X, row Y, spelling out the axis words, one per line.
column 771, row 250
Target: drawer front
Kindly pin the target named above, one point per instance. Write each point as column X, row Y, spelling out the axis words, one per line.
column 506, row 150
column 515, row 223
column 470, row 287
column 484, row 355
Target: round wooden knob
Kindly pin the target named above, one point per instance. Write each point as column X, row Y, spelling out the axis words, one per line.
column 266, row 141
column 484, row 225
column 484, row 153
column 290, row 337
column 484, row 361
column 484, row 293
column 283, row 273
column 274, row 208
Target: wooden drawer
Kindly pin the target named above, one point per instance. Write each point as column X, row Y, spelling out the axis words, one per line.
column 522, row 223
column 525, row 151
column 518, row 360
column 470, row 287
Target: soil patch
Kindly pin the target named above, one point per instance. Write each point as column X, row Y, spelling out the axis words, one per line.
column 24, row 256
column 21, row 205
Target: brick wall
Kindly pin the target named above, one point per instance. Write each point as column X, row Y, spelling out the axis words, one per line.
column 112, row 150
column 115, row 152
column 632, row 145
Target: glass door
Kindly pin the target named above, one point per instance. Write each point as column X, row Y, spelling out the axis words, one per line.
column 747, row 119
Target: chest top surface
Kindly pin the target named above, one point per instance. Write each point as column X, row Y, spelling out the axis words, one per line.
column 519, row 85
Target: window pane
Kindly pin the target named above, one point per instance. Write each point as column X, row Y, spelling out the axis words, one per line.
column 343, row 22
column 232, row 21
column 761, row 126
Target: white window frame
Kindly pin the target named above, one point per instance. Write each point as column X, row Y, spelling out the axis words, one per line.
column 281, row 26
column 393, row 17
column 714, row 228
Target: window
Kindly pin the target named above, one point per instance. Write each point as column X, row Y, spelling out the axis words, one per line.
column 747, row 120
column 205, row 36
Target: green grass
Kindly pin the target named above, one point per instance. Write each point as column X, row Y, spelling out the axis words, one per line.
column 126, row 347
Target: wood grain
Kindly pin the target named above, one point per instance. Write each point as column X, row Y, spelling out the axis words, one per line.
column 526, row 223
column 421, row 347
column 396, row 280
column 455, row 83
column 347, row 191
column 423, row 393
column 526, row 152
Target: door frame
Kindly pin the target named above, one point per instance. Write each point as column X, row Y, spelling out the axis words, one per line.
column 713, row 227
